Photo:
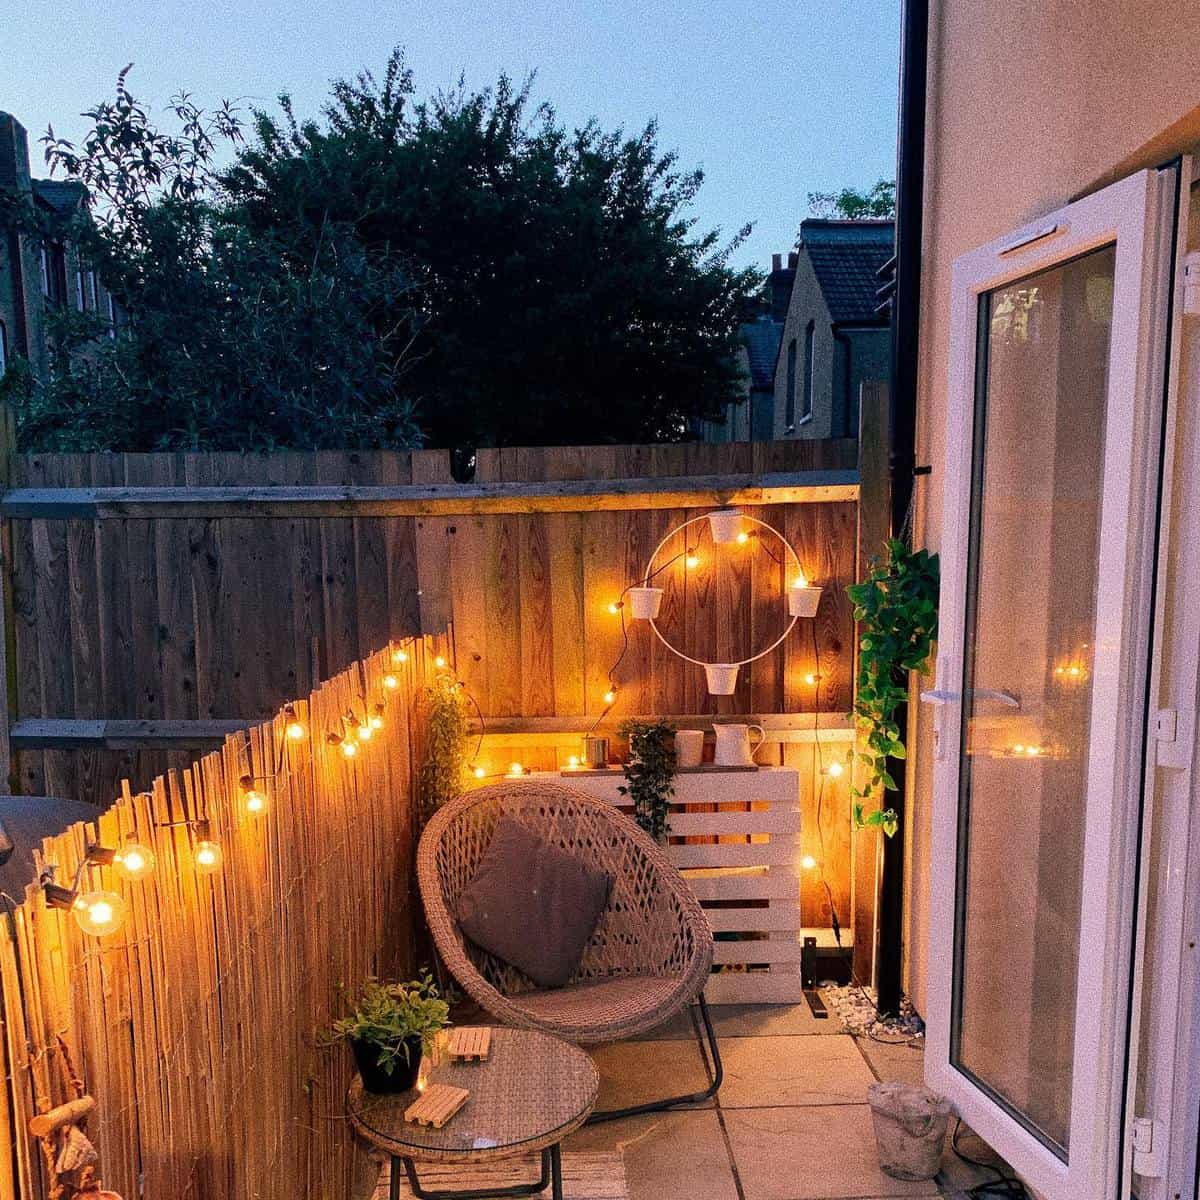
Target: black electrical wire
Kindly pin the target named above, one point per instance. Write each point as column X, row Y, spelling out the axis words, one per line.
column 1003, row 1185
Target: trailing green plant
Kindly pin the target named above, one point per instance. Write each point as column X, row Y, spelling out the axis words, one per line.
column 896, row 606
column 443, row 769
column 650, row 773
column 391, row 1015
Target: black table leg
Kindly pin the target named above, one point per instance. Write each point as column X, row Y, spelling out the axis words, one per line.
column 551, row 1174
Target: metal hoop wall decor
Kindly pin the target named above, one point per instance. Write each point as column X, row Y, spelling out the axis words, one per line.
column 726, row 524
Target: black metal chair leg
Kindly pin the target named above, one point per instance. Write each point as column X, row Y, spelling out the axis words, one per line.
column 712, row 1059
column 556, row 1172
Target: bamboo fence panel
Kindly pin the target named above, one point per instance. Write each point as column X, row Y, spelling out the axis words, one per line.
column 197, row 1025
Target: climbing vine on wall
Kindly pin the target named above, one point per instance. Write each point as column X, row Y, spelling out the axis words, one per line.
column 897, row 610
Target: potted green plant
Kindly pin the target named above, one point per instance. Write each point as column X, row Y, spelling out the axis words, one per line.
column 391, row 1027
column 650, row 774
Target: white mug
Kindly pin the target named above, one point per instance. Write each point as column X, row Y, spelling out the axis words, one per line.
column 689, row 747
column 734, row 748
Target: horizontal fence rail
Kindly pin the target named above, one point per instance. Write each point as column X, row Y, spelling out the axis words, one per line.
column 496, row 499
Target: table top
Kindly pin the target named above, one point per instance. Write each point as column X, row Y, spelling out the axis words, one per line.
column 531, row 1091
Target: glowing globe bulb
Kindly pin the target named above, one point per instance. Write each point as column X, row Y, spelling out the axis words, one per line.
column 376, row 721
column 363, row 733
column 614, row 608
column 399, row 656
column 295, row 730
column 256, row 802
column 100, row 913
column 391, row 682
column 439, row 662
column 801, row 581
column 610, row 695
column 1018, row 749
column 810, row 679
column 480, row 773
column 835, row 769
column 134, row 861
column 516, row 769
column 573, row 761
column 349, row 748
column 692, row 561
column 808, row 862
column 208, row 857
column 743, row 538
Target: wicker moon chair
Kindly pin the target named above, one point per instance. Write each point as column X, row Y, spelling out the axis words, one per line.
column 650, row 953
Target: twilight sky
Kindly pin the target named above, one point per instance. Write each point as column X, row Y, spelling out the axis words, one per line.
column 773, row 98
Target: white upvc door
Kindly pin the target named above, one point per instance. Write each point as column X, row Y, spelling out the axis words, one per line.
column 1053, row 462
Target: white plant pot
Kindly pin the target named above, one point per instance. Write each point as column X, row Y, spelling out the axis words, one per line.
column 721, row 677
column 804, row 601
column 644, row 601
column 726, row 524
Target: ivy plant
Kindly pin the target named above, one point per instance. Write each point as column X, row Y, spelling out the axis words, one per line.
column 443, row 768
column 650, row 773
column 896, row 606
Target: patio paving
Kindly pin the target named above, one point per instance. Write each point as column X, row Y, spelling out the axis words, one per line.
column 791, row 1121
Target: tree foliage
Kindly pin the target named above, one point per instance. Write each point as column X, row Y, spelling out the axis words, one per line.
column 462, row 270
column 228, row 340
column 851, row 204
column 565, row 296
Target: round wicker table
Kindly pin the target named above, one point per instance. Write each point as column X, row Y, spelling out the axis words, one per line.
column 530, row 1093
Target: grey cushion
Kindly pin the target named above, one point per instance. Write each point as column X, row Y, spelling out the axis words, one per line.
column 532, row 905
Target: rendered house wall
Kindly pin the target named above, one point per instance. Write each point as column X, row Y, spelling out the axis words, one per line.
column 1057, row 98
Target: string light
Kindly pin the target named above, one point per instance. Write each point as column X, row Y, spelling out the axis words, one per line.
column 376, row 719
column 610, row 696
column 391, row 682
column 835, row 769
column 252, row 798
column 615, row 607
column 573, row 762
column 99, row 913
column 209, row 857
column 440, row 663
column 295, row 727
column 515, row 769
column 743, row 538
column 347, row 747
column 132, row 861
column 810, row 679
column 808, row 862
column 480, row 773
column 692, row 561
column 399, row 657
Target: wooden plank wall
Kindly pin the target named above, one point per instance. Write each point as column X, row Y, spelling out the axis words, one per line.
column 197, row 1026
column 178, row 619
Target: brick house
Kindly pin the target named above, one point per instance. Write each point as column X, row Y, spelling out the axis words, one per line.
column 38, row 274
column 832, row 339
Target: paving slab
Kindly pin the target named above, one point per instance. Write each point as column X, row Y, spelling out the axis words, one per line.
column 767, row 1020
column 768, row 1071
column 638, row 1072
column 668, row 1156
column 812, row 1152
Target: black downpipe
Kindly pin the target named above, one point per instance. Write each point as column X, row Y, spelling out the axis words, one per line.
column 906, row 308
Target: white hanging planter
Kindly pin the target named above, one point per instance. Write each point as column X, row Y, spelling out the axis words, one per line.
column 645, row 601
column 726, row 524
column 803, row 600
column 721, row 677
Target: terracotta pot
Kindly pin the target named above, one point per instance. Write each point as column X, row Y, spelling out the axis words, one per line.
column 375, row 1079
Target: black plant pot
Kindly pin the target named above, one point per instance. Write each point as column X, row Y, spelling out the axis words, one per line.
column 375, row 1079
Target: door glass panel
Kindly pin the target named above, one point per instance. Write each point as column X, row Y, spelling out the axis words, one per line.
column 1030, row 620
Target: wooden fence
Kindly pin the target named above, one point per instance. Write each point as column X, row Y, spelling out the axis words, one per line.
column 197, row 1026
column 156, row 602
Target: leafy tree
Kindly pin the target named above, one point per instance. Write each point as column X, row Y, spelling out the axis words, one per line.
column 850, row 204
column 227, row 340
column 564, row 294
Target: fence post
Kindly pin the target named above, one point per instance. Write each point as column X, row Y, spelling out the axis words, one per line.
column 8, row 655
column 874, row 519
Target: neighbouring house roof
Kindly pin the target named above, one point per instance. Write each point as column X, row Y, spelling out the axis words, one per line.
column 846, row 257
column 61, row 195
column 761, row 339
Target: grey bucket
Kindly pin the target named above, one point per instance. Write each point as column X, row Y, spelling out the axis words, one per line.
column 910, row 1129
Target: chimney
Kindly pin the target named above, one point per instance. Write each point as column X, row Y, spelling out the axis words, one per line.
column 793, row 259
column 776, row 262
column 780, row 285
column 14, row 154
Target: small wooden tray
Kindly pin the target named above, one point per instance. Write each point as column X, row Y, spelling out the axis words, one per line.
column 438, row 1103
column 470, row 1043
